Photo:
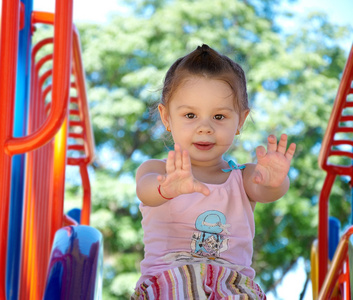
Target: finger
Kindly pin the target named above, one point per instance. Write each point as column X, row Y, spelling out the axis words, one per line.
column 271, row 143
column 178, row 157
column 186, row 161
column 201, row 188
column 282, row 144
column 290, row 152
column 257, row 177
column 161, row 179
column 170, row 164
column 260, row 152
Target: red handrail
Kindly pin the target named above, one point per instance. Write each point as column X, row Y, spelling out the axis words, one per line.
column 86, row 133
column 86, row 206
column 327, row 150
column 339, row 104
column 61, row 84
column 82, row 97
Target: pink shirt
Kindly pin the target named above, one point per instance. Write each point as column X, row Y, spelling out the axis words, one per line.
column 192, row 228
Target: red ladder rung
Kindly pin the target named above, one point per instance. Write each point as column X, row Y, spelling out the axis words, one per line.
column 346, row 118
column 342, row 142
column 341, row 153
column 344, row 130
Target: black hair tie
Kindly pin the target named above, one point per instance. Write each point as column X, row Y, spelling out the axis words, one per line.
column 204, row 48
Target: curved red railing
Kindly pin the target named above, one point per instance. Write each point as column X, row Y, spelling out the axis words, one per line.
column 86, row 129
column 78, row 69
column 61, row 84
column 331, row 147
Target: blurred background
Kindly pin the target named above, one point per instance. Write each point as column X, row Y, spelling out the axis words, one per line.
column 293, row 54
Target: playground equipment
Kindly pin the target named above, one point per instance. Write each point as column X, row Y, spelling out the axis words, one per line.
column 44, row 126
column 333, row 280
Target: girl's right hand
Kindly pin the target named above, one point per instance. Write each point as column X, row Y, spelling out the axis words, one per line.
column 179, row 178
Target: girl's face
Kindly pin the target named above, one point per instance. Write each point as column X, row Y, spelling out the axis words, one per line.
column 203, row 119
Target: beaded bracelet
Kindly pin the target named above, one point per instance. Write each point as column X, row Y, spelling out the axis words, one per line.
column 159, row 191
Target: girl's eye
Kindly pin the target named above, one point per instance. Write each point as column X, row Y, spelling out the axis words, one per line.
column 218, row 117
column 190, row 116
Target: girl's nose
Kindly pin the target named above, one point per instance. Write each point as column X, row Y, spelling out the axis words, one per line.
column 205, row 128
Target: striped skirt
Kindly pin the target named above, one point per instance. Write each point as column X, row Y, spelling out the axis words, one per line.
column 199, row 281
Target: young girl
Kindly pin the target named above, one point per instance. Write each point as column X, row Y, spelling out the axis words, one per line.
column 197, row 208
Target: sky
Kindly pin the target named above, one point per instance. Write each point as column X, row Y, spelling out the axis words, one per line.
column 338, row 11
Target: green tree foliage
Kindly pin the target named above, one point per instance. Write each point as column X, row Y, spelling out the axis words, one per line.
column 292, row 78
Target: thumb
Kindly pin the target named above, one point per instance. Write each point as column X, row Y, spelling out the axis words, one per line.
column 161, row 178
column 257, row 177
column 201, row 188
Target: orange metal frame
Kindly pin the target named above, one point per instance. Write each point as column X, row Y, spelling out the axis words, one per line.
column 331, row 147
column 65, row 118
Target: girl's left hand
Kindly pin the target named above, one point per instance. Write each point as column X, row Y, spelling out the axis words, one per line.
column 273, row 166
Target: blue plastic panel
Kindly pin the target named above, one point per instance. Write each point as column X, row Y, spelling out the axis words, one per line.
column 76, row 264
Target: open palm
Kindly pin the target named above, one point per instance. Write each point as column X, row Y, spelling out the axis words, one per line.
column 273, row 165
column 179, row 178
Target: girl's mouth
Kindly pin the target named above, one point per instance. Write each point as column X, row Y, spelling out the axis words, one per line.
column 204, row 145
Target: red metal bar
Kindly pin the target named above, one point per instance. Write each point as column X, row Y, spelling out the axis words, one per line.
column 340, row 170
column 10, row 20
column 77, row 161
column 59, row 180
column 76, row 147
column 44, row 94
column 82, row 95
column 339, row 104
column 31, row 176
column 76, row 135
column 86, row 207
column 349, row 104
column 342, row 142
column 39, row 46
column 341, row 153
column 42, row 61
column 86, row 134
column 44, row 77
column 344, row 130
column 333, row 170
column 346, row 118
column 74, row 112
column 61, row 80
column 36, row 246
column 336, row 267
column 76, row 123
column 323, row 227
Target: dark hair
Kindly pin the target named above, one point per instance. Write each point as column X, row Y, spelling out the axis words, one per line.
column 204, row 61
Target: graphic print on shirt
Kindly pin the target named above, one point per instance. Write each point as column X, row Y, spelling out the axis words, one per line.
column 209, row 241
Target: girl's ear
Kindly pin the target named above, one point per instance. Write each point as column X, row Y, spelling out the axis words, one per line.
column 243, row 116
column 163, row 112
